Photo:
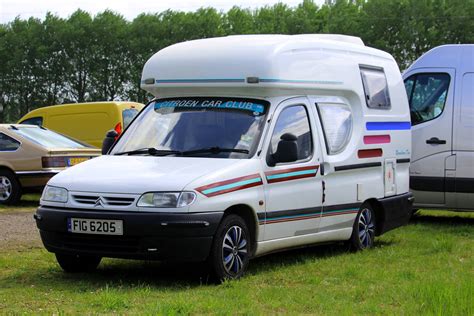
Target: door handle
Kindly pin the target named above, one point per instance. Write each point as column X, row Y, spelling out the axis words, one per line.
column 435, row 141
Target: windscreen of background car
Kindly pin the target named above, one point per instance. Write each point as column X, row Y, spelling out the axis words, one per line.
column 47, row 138
column 195, row 123
column 127, row 116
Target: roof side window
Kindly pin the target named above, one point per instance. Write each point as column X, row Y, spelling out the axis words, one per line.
column 427, row 94
column 7, row 143
column 38, row 121
column 375, row 87
column 336, row 120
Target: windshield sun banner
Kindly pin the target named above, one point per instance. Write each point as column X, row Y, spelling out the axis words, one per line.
column 250, row 106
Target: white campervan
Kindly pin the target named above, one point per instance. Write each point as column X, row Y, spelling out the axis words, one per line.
column 440, row 88
column 254, row 144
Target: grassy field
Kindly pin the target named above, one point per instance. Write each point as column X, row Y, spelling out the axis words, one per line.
column 426, row 267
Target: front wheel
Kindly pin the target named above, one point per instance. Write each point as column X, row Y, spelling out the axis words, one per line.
column 363, row 232
column 230, row 249
column 77, row 263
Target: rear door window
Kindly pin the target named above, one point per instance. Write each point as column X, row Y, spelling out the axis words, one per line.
column 34, row 121
column 427, row 94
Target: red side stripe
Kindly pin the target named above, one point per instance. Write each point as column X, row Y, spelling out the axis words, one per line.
column 217, row 184
column 376, row 139
column 246, row 186
column 291, row 178
column 269, row 173
column 369, row 153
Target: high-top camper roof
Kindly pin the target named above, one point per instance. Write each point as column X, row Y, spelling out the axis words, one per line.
column 282, row 61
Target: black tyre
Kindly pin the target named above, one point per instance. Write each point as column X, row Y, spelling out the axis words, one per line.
column 363, row 232
column 230, row 251
column 10, row 189
column 76, row 263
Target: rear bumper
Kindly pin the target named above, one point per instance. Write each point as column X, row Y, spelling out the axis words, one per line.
column 160, row 236
column 35, row 179
column 396, row 212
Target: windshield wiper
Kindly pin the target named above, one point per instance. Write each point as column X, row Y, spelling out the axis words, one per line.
column 214, row 150
column 150, row 151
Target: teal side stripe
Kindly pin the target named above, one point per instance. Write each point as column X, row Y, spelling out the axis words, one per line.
column 310, row 214
column 231, row 185
column 338, row 211
column 270, row 80
column 291, row 216
column 292, row 174
column 199, row 80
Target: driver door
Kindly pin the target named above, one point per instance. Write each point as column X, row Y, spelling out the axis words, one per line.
column 293, row 190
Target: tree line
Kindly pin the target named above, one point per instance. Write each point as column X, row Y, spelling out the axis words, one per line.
column 90, row 58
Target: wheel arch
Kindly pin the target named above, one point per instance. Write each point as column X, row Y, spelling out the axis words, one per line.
column 248, row 214
column 379, row 212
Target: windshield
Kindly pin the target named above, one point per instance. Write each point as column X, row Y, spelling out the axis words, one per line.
column 128, row 115
column 47, row 138
column 193, row 124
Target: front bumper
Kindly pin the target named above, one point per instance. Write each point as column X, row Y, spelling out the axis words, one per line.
column 154, row 236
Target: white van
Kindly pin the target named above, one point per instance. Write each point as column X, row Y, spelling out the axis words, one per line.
column 256, row 144
column 440, row 88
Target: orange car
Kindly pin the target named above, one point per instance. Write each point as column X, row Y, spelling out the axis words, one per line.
column 30, row 155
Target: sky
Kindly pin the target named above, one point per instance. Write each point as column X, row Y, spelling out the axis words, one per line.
column 9, row 9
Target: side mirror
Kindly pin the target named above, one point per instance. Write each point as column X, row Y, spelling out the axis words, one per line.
column 109, row 140
column 287, row 150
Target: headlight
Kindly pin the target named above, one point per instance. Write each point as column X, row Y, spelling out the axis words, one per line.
column 166, row 199
column 54, row 194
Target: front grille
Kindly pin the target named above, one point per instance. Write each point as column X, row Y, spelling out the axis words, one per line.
column 103, row 200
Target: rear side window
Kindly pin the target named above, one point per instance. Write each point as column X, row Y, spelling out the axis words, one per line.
column 427, row 94
column 375, row 87
column 7, row 143
column 127, row 116
column 33, row 121
column 336, row 119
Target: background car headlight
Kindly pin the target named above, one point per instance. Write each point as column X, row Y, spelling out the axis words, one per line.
column 54, row 194
column 167, row 199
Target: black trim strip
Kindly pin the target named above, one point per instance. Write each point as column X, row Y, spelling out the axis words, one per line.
column 341, row 207
column 358, row 166
column 301, row 211
column 403, row 160
column 305, row 211
column 441, row 184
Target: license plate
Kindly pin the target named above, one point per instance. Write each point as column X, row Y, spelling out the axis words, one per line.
column 95, row 226
column 75, row 161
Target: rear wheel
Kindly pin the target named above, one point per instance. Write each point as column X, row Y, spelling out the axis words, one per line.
column 231, row 248
column 363, row 232
column 10, row 189
column 77, row 263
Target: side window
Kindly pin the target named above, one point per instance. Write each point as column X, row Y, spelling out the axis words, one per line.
column 375, row 87
column 427, row 95
column 33, row 121
column 294, row 120
column 336, row 119
column 7, row 143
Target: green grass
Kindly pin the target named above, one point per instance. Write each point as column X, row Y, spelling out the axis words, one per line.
column 424, row 268
column 28, row 203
